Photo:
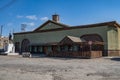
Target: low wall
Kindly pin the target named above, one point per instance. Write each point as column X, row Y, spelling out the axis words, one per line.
column 96, row 54
column 85, row 54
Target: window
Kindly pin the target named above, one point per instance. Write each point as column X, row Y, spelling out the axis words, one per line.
column 70, row 48
column 25, row 45
column 17, row 46
column 62, row 48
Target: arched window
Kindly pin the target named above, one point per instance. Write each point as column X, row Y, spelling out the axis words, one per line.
column 25, row 46
column 92, row 37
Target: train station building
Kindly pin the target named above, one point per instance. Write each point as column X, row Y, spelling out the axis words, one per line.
column 53, row 38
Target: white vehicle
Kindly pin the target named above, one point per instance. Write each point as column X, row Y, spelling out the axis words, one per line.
column 26, row 54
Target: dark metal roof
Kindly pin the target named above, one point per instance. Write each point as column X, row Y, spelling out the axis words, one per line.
column 66, row 27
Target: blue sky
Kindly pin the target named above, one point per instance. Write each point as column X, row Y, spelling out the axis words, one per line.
column 72, row 12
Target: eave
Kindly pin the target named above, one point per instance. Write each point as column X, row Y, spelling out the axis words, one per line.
column 112, row 23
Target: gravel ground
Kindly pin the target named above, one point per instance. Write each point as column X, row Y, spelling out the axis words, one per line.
column 18, row 68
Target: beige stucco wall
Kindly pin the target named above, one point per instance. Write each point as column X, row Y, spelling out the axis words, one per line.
column 112, row 35
column 56, row 36
column 118, row 38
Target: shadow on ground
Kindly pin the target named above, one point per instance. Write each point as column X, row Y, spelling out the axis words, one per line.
column 115, row 59
column 56, row 57
column 61, row 58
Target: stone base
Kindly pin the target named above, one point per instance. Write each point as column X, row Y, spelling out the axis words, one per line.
column 113, row 52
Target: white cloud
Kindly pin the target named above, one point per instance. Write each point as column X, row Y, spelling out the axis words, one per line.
column 29, row 23
column 9, row 24
column 44, row 18
column 32, row 17
column 19, row 16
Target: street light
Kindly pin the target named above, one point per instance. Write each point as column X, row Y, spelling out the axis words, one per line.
column 90, row 43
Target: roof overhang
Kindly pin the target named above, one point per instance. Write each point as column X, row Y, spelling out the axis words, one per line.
column 112, row 23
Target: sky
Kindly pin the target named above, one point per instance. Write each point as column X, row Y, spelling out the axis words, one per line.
column 34, row 13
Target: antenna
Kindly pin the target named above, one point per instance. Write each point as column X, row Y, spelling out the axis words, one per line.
column 13, row 31
column 23, row 27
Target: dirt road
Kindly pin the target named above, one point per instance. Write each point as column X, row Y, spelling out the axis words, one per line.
column 18, row 68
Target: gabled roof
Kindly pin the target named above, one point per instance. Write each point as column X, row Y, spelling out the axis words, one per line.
column 66, row 27
column 75, row 39
column 111, row 23
column 71, row 40
column 50, row 21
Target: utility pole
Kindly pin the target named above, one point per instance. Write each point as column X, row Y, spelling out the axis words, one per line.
column 1, row 30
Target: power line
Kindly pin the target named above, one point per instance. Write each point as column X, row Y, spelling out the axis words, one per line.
column 7, row 4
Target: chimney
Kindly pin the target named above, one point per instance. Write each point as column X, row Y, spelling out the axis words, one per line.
column 55, row 17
